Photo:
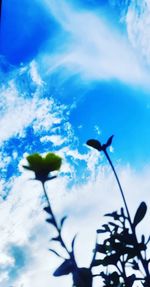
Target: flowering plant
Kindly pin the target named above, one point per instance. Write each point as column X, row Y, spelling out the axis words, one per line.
column 122, row 257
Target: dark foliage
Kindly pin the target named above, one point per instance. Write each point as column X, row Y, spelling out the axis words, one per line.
column 121, row 250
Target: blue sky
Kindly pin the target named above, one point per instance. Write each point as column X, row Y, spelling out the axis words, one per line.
column 108, row 96
column 70, row 72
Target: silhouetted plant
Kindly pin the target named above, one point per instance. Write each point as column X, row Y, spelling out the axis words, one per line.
column 121, row 249
column 121, row 256
column 42, row 167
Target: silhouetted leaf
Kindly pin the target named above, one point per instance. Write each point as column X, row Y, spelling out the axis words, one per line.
column 51, row 221
column 113, row 224
column 102, row 274
column 122, row 213
column 62, row 221
column 101, row 248
column 114, row 214
column 95, row 144
column 140, row 213
column 106, row 227
column 57, row 238
column 56, row 253
column 101, row 231
column 51, row 177
column 27, row 167
column 132, row 252
column 135, row 265
column 109, row 142
column 111, row 259
column 47, row 209
column 73, row 242
column 97, row 262
column 64, row 269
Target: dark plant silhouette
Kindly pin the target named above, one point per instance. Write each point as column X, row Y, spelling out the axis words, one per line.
column 42, row 167
column 121, row 259
column 121, row 248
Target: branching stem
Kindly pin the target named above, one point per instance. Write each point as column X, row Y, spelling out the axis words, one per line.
column 54, row 220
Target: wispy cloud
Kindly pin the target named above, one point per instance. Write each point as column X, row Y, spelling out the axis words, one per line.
column 18, row 110
column 92, row 47
column 138, row 28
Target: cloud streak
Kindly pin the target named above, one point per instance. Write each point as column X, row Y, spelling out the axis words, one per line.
column 92, row 48
column 138, row 28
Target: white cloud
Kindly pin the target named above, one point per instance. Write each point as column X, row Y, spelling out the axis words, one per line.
column 18, row 111
column 17, row 116
column 34, row 74
column 57, row 140
column 93, row 48
column 138, row 27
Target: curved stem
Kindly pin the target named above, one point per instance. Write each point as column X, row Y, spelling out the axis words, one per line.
column 119, row 184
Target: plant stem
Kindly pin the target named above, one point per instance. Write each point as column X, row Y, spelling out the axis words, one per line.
column 54, row 220
column 119, row 184
column 144, row 262
column 70, row 254
column 124, row 273
column 95, row 252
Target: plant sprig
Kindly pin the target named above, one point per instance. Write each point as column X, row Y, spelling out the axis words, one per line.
column 120, row 248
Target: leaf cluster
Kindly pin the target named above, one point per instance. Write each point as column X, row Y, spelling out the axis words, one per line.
column 120, row 250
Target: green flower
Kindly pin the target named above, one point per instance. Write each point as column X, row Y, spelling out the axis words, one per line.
column 42, row 166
